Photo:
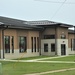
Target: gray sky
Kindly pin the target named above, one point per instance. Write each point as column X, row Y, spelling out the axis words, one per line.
column 37, row 10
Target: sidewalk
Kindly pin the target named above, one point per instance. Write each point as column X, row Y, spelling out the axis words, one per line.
column 37, row 60
column 55, row 71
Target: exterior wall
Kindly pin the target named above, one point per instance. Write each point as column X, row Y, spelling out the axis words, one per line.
column 48, row 31
column 71, row 52
column 16, row 33
column 32, row 34
column 0, row 43
column 59, row 42
column 48, row 41
column 60, row 31
column 12, row 32
column 29, row 33
column 71, row 36
column 56, row 31
column 16, row 54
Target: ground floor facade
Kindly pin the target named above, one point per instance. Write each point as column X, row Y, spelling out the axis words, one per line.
column 25, row 43
column 18, row 40
column 19, row 43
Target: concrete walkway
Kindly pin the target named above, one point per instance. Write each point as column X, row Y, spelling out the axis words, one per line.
column 37, row 60
column 54, row 71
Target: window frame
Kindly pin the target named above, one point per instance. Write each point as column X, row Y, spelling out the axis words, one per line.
column 51, row 36
column 52, row 47
column 7, row 45
column 22, row 48
column 45, row 47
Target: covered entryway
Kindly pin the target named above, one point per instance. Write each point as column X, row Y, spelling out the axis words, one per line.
column 63, row 49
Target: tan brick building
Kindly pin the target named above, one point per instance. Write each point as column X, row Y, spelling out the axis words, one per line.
column 20, row 38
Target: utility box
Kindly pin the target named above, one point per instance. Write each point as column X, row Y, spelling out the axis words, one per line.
column 0, row 69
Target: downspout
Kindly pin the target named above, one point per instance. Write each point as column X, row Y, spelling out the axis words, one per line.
column 55, row 40
column 40, row 37
column 74, row 36
column 3, row 40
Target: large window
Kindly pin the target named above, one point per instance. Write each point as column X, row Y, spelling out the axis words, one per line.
column 45, row 47
column 52, row 47
column 7, row 44
column 32, row 43
column 49, row 36
column 63, row 36
column 12, row 43
column 35, row 44
column 72, row 44
column 22, row 44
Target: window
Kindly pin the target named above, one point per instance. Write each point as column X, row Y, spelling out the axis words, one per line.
column 63, row 36
column 49, row 36
column 45, row 47
column 35, row 44
column 32, row 43
column 52, row 47
column 73, row 44
column 12, row 43
column 7, row 44
column 22, row 44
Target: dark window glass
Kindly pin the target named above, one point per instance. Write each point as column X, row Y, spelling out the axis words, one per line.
column 45, row 47
column 12, row 43
column 7, row 44
column 63, row 36
column 49, row 36
column 22, row 44
column 32, row 43
column 73, row 44
column 52, row 47
column 35, row 44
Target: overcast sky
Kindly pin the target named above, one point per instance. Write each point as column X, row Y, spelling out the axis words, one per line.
column 38, row 10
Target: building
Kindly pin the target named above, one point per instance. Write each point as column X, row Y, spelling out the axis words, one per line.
column 20, row 38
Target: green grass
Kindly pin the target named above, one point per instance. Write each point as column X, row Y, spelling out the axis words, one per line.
column 68, row 58
column 20, row 68
column 72, row 72
column 31, row 58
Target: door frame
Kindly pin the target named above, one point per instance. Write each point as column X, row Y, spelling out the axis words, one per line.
column 63, row 49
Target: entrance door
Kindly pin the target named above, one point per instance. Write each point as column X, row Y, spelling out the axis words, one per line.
column 63, row 49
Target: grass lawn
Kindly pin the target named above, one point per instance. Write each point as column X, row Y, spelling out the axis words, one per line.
column 20, row 68
column 68, row 58
column 63, row 73
column 31, row 58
